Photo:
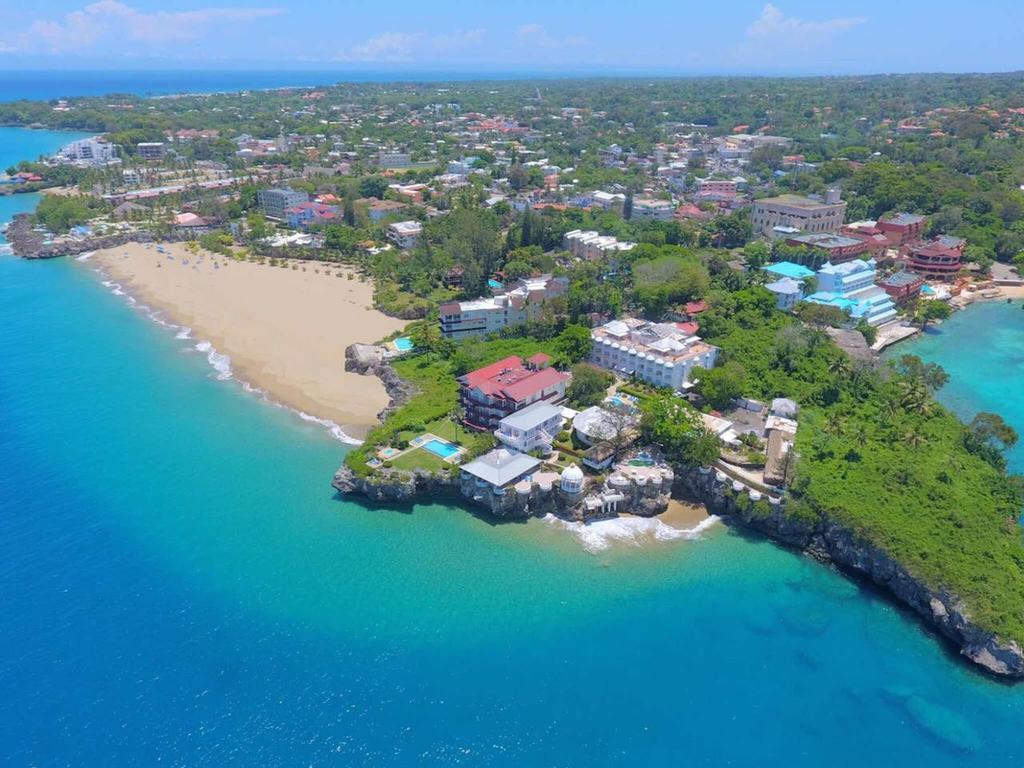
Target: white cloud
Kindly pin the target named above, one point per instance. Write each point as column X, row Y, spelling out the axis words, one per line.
column 774, row 38
column 111, row 20
column 390, row 47
column 773, row 24
column 537, row 35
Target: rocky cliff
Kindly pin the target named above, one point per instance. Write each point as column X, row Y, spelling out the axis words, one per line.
column 29, row 244
column 829, row 541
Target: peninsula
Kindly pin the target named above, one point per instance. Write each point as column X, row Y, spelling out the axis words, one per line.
column 585, row 299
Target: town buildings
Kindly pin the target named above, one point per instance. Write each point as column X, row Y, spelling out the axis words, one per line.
column 533, row 428
column 796, row 212
column 657, row 210
column 304, row 214
column 87, row 152
column 520, row 304
column 150, row 150
column 391, row 159
column 491, row 393
column 274, row 203
column 903, row 286
column 851, row 288
column 938, row 259
column 836, row 248
column 591, row 245
column 662, row 354
column 405, row 234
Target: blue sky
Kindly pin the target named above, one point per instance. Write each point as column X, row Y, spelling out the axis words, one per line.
column 572, row 36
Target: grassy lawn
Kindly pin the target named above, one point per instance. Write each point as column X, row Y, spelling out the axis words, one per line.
column 420, row 458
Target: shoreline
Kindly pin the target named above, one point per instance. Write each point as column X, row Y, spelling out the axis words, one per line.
column 274, row 329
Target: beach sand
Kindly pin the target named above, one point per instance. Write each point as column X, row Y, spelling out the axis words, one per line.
column 684, row 514
column 284, row 329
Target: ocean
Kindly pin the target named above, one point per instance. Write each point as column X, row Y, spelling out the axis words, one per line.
column 982, row 350
column 55, row 84
column 180, row 585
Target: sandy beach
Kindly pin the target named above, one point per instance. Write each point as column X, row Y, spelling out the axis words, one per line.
column 285, row 329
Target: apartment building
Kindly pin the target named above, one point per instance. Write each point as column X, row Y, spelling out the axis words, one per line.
column 795, row 212
column 480, row 317
column 662, row 354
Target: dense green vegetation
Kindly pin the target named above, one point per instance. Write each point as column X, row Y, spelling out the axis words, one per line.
column 949, row 513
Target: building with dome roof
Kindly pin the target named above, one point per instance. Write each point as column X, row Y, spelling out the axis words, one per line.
column 572, row 479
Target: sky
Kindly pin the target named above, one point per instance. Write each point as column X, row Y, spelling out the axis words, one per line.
column 681, row 37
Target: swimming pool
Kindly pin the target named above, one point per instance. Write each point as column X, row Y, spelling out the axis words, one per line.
column 404, row 344
column 441, row 448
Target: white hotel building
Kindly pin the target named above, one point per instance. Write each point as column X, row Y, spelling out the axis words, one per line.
column 659, row 353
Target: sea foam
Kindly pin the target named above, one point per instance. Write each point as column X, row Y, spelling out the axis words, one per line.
column 601, row 535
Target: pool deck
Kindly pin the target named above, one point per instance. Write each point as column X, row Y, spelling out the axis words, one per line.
column 421, row 442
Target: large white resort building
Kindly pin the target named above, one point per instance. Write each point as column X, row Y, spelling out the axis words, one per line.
column 662, row 354
column 479, row 317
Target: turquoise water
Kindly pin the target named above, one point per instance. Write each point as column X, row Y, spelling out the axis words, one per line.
column 982, row 349
column 180, row 585
column 441, row 448
column 404, row 344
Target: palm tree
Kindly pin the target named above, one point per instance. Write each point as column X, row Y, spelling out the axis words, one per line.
column 915, row 438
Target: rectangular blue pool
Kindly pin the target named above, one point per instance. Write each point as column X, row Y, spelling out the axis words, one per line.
column 441, row 448
column 404, row 344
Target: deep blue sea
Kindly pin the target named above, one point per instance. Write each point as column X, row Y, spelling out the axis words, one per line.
column 180, row 586
column 55, row 84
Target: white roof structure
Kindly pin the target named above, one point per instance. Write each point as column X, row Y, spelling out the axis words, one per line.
column 532, row 416
column 501, row 466
column 595, row 423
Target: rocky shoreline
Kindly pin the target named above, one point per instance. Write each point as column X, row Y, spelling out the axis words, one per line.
column 29, row 244
column 823, row 538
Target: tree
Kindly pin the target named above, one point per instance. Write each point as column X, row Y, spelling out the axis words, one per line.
column 373, row 186
column 573, row 344
column 673, row 424
column 988, row 436
column 720, row 386
column 588, row 386
column 929, row 311
column 258, row 227
column 426, row 336
column 627, row 205
column 757, row 254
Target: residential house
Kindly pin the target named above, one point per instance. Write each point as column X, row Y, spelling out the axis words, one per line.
column 533, row 428
column 837, row 248
column 495, row 391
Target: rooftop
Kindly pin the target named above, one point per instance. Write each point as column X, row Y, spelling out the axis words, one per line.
column 790, row 269
column 796, row 201
column 532, row 416
column 501, row 466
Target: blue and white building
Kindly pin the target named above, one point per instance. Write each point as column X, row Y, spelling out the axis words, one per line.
column 850, row 286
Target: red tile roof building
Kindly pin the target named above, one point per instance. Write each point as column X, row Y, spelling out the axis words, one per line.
column 940, row 258
column 491, row 393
